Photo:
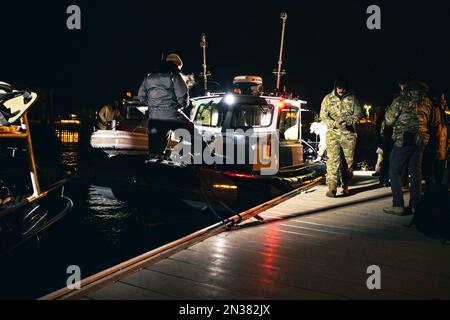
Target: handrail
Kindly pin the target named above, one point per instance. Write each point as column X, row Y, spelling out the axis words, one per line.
column 13, row 135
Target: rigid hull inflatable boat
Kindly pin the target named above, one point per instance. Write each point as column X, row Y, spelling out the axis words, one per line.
column 268, row 169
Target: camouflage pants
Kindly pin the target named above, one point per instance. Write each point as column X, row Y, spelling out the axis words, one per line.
column 341, row 151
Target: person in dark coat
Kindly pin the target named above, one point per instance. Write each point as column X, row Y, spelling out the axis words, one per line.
column 166, row 94
column 385, row 144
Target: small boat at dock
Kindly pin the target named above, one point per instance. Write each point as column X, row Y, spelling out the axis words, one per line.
column 225, row 121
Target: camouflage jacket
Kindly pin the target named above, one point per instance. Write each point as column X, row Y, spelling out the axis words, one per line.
column 340, row 113
column 412, row 112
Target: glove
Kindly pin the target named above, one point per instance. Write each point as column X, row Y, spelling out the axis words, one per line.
column 351, row 120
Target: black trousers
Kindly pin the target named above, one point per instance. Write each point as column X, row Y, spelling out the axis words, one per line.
column 432, row 169
column 384, row 169
column 158, row 130
column 409, row 157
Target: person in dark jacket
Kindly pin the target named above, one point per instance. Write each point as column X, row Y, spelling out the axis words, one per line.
column 385, row 145
column 166, row 94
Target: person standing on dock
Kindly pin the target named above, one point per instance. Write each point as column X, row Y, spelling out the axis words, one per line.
column 166, row 94
column 410, row 116
column 340, row 111
column 385, row 145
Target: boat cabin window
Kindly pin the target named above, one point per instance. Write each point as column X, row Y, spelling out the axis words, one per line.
column 209, row 115
column 251, row 116
column 249, row 88
column 289, row 125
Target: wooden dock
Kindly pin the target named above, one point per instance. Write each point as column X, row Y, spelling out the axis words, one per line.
column 308, row 247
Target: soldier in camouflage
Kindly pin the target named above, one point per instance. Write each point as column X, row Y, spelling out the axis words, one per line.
column 340, row 112
column 411, row 116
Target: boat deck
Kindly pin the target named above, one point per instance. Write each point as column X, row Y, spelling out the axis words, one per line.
column 308, row 247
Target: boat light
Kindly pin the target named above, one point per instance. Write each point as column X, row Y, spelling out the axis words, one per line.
column 281, row 104
column 225, row 187
column 230, row 99
column 239, row 175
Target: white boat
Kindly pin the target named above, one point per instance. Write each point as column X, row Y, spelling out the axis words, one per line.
column 130, row 139
column 118, row 142
column 273, row 161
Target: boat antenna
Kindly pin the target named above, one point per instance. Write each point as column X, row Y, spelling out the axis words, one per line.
column 205, row 74
column 281, row 72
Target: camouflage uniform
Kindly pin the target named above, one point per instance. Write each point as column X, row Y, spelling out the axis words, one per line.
column 340, row 114
column 412, row 112
column 410, row 116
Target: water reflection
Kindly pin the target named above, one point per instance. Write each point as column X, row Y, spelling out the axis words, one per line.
column 67, row 136
column 69, row 147
column 110, row 217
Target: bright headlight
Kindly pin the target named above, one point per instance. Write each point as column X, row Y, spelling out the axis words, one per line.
column 229, row 99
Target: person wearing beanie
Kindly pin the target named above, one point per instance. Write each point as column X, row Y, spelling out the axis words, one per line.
column 166, row 94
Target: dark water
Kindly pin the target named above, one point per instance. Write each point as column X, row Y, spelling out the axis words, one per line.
column 97, row 234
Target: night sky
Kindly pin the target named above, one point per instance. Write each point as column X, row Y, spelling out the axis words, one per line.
column 121, row 41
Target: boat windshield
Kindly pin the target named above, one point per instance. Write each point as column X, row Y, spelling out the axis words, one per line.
column 209, row 115
column 252, row 116
column 289, row 124
column 135, row 112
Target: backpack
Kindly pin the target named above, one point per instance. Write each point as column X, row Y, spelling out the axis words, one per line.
column 432, row 216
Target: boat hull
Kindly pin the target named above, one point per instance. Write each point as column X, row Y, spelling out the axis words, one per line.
column 28, row 217
column 130, row 179
column 117, row 142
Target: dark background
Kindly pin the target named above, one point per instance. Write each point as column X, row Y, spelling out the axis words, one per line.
column 121, row 41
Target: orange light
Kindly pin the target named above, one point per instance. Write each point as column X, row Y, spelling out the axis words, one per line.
column 224, row 187
column 70, row 122
column 281, row 104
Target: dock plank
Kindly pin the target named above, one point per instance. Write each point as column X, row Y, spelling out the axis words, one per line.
column 248, row 284
column 123, row 291
column 181, row 287
column 309, row 247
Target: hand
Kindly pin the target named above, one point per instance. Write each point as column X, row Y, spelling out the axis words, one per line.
column 351, row 120
column 341, row 125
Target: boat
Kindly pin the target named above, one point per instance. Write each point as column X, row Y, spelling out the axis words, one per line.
column 130, row 137
column 242, row 121
column 26, row 209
